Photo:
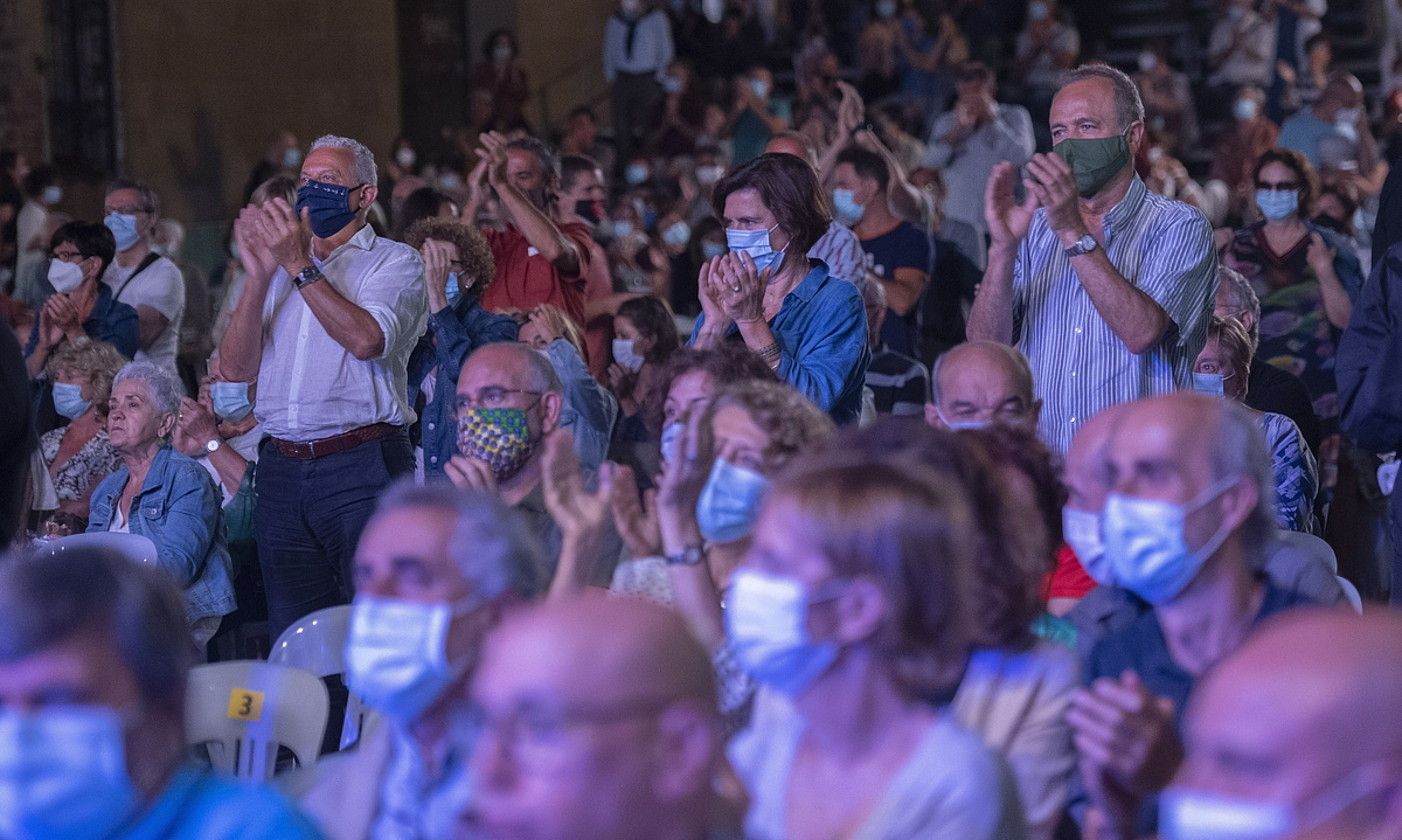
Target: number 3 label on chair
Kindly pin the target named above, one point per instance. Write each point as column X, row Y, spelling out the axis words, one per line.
column 245, row 704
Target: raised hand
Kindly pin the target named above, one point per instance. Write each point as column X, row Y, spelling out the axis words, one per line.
column 468, row 473
column 710, row 304
column 1127, row 732
column 493, row 154
column 1007, row 220
column 738, row 287
column 436, row 266
column 1320, row 256
column 254, row 254
column 635, row 519
column 285, row 235
column 1054, row 186
column 683, row 479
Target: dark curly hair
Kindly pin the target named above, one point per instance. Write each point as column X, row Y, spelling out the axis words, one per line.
column 473, row 250
column 726, row 364
column 1297, row 163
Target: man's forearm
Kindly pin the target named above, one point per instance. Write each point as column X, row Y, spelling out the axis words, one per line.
column 991, row 318
column 539, row 231
column 348, row 325
column 1134, row 317
column 241, row 351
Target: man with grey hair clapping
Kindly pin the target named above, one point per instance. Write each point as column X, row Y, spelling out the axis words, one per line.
column 329, row 316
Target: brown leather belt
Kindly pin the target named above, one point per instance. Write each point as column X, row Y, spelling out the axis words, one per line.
column 334, row 444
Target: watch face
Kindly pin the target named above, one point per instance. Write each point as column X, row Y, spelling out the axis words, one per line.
column 212, row 446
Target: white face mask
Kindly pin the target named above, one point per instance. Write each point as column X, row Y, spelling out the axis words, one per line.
column 1148, row 547
column 1186, row 814
column 397, row 655
column 63, row 774
column 1083, row 532
column 65, row 276
column 766, row 621
column 405, row 157
column 626, row 356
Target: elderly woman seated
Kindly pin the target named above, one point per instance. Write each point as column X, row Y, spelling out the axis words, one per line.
column 163, row 495
column 78, row 455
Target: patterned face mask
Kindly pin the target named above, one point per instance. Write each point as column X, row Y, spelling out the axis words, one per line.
column 500, row 437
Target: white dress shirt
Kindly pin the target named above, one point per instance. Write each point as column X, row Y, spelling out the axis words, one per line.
column 309, row 386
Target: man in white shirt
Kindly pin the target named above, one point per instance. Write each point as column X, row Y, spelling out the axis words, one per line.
column 637, row 51
column 141, row 278
column 328, row 317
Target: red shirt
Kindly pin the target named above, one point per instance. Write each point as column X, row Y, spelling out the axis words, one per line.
column 1068, row 579
column 524, row 279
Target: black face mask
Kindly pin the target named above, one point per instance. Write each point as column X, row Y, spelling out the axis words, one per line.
column 588, row 210
column 1332, row 224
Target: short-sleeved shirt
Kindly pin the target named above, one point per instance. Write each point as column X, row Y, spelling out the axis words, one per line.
column 1079, row 366
column 524, row 279
column 160, row 286
column 903, row 246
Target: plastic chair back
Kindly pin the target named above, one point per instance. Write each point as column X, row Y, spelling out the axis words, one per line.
column 243, row 711
column 317, row 643
column 135, row 547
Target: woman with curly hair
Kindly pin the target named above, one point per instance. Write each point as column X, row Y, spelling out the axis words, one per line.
column 458, row 267
column 79, row 455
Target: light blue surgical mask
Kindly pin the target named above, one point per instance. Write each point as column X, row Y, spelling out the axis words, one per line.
column 1187, row 814
column 729, row 502
column 63, row 774
column 452, row 290
column 123, row 227
column 677, row 234
column 1276, row 206
column 848, row 211
column 760, row 87
column 1084, row 532
column 755, row 243
column 710, row 250
column 397, row 654
column 621, row 228
column 635, row 174
column 766, row 623
column 1147, row 546
column 626, row 355
column 68, row 400
column 230, row 400
column 1212, row 384
column 671, row 439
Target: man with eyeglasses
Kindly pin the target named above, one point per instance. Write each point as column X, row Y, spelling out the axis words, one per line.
column 435, row 569
column 139, row 277
column 328, row 318
column 592, row 719
column 980, row 383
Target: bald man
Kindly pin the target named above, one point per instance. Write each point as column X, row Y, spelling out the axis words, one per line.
column 596, row 721
column 839, row 248
column 982, row 382
column 1298, row 734
column 1186, row 523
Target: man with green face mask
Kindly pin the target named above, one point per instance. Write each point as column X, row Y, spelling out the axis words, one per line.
column 1104, row 286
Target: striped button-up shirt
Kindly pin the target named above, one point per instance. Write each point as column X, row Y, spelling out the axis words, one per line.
column 1079, row 366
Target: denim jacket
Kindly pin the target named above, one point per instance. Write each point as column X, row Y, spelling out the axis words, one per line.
column 822, row 333
column 453, row 334
column 178, row 508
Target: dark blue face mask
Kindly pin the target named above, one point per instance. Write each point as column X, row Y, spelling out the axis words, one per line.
column 328, row 206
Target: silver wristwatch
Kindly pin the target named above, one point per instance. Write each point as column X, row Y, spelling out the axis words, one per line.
column 307, row 276
column 212, row 446
column 1084, row 245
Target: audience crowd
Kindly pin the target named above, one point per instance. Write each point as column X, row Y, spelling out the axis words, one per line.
column 900, row 422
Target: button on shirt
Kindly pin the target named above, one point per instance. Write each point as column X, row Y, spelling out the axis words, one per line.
column 1079, row 366
column 309, row 386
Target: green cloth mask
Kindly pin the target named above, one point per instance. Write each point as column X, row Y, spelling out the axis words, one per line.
column 1094, row 161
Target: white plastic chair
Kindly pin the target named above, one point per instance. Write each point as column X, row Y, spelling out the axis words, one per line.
column 243, row 711
column 134, row 547
column 1351, row 594
column 316, row 643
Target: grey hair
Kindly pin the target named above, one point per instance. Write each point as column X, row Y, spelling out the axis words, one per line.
column 47, row 600
column 164, row 388
column 1129, row 107
column 544, row 154
column 1238, row 448
column 365, row 171
column 150, row 202
column 1243, row 298
column 1022, row 371
column 491, row 545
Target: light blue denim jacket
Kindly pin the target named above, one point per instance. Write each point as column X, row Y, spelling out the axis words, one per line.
column 178, row 508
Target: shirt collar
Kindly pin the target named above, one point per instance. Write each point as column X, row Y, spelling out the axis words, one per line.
column 364, row 239
column 1128, row 207
column 812, row 282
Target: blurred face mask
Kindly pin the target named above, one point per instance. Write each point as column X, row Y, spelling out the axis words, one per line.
column 886, row 8
column 671, row 439
column 708, row 175
column 849, row 212
column 230, row 400
column 1082, row 530
column 52, row 195
column 68, row 400
column 962, row 425
column 397, row 655
column 711, row 250
column 1146, row 542
column 292, row 158
column 1186, row 814
column 635, row 174
column 63, row 774
column 500, row 437
column 123, row 227
column 622, row 228
column 1036, row 10
column 405, row 157
column 328, row 207
column 65, row 276
column 626, row 356
column 766, row 622
column 1245, row 109
column 729, row 502
column 677, row 234
column 760, row 87
column 590, row 211
column 452, row 289
column 755, row 243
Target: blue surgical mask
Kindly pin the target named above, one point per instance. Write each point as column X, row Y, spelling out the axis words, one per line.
column 63, row 774
column 729, row 502
column 635, row 174
column 68, row 400
column 1083, row 531
column 123, row 227
column 756, row 244
column 1187, row 814
column 452, row 290
column 671, row 439
column 626, row 356
column 766, row 623
column 328, row 207
column 1147, row 546
column 621, row 228
column 962, row 425
column 760, row 87
column 671, row 84
column 1209, row 383
column 848, row 211
column 677, row 234
column 1276, row 206
column 710, row 250
column 291, row 158
column 230, row 400
column 52, row 195
column 1245, row 109
column 397, row 654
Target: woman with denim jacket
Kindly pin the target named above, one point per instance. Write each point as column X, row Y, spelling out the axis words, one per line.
column 165, row 496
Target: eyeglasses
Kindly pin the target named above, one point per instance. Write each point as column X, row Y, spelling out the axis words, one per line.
column 67, row 256
column 491, row 396
column 536, row 735
column 1279, row 186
